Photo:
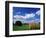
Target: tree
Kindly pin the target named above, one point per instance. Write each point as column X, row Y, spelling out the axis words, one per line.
column 18, row 23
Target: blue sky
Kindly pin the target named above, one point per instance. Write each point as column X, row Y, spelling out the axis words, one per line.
column 26, row 14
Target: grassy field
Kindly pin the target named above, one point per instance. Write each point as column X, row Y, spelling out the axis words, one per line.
column 26, row 27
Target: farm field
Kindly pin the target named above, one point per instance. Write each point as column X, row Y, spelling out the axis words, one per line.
column 26, row 27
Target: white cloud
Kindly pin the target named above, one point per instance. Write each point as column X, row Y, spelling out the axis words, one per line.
column 38, row 12
column 18, row 16
column 22, row 18
column 25, row 17
column 30, row 15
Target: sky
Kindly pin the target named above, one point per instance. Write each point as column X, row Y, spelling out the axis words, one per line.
column 26, row 15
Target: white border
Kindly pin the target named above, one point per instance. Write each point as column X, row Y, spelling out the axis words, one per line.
column 11, row 32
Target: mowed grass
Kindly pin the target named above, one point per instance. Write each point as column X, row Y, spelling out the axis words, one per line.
column 26, row 27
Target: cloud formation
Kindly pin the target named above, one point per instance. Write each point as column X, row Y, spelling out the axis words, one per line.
column 25, row 17
column 38, row 12
column 29, row 15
